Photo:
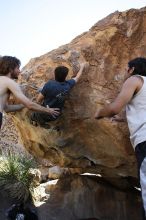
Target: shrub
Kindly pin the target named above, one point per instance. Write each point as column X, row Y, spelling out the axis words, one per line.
column 15, row 177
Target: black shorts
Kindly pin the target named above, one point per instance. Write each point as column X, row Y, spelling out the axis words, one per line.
column 42, row 117
column 140, row 152
column 1, row 116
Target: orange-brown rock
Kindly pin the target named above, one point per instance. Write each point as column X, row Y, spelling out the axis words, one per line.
column 95, row 146
column 86, row 198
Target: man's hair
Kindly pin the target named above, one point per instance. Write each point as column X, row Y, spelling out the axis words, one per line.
column 61, row 73
column 139, row 65
column 7, row 64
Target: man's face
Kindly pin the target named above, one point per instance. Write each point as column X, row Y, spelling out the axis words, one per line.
column 129, row 72
column 15, row 73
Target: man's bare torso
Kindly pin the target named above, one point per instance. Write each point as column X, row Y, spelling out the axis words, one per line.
column 4, row 91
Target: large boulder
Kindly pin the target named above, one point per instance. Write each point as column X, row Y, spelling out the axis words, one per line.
column 95, row 146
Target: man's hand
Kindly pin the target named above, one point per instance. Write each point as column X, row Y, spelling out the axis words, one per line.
column 53, row 111
column 82, row 67
column 118, row 118
column 97, row 114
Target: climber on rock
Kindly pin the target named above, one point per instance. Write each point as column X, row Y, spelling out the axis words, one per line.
column 54, row 93
column 9, row 71
column 133, row 97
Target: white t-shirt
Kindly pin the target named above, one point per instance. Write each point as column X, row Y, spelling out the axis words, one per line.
column 136, row 115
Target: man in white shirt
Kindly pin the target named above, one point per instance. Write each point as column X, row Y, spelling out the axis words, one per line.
column 133, row 97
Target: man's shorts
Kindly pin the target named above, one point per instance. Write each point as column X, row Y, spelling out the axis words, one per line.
column 42, row 118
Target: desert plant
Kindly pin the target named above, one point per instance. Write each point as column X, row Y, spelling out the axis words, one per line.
column 15, row 177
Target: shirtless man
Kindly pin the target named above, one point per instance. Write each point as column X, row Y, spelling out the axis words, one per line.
column 9, row 71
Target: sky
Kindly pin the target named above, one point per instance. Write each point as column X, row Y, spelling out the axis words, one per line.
column 31, row 28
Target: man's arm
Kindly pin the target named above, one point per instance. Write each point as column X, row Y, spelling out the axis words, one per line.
column 129, row 88
column 77, row 77
column 16, row 91
column 13, row 108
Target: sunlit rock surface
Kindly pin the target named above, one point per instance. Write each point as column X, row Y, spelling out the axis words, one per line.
column 95, row 146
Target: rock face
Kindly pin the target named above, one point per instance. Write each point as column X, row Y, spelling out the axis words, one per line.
column 80, row 198
column 10, row 140
column 95, row 146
